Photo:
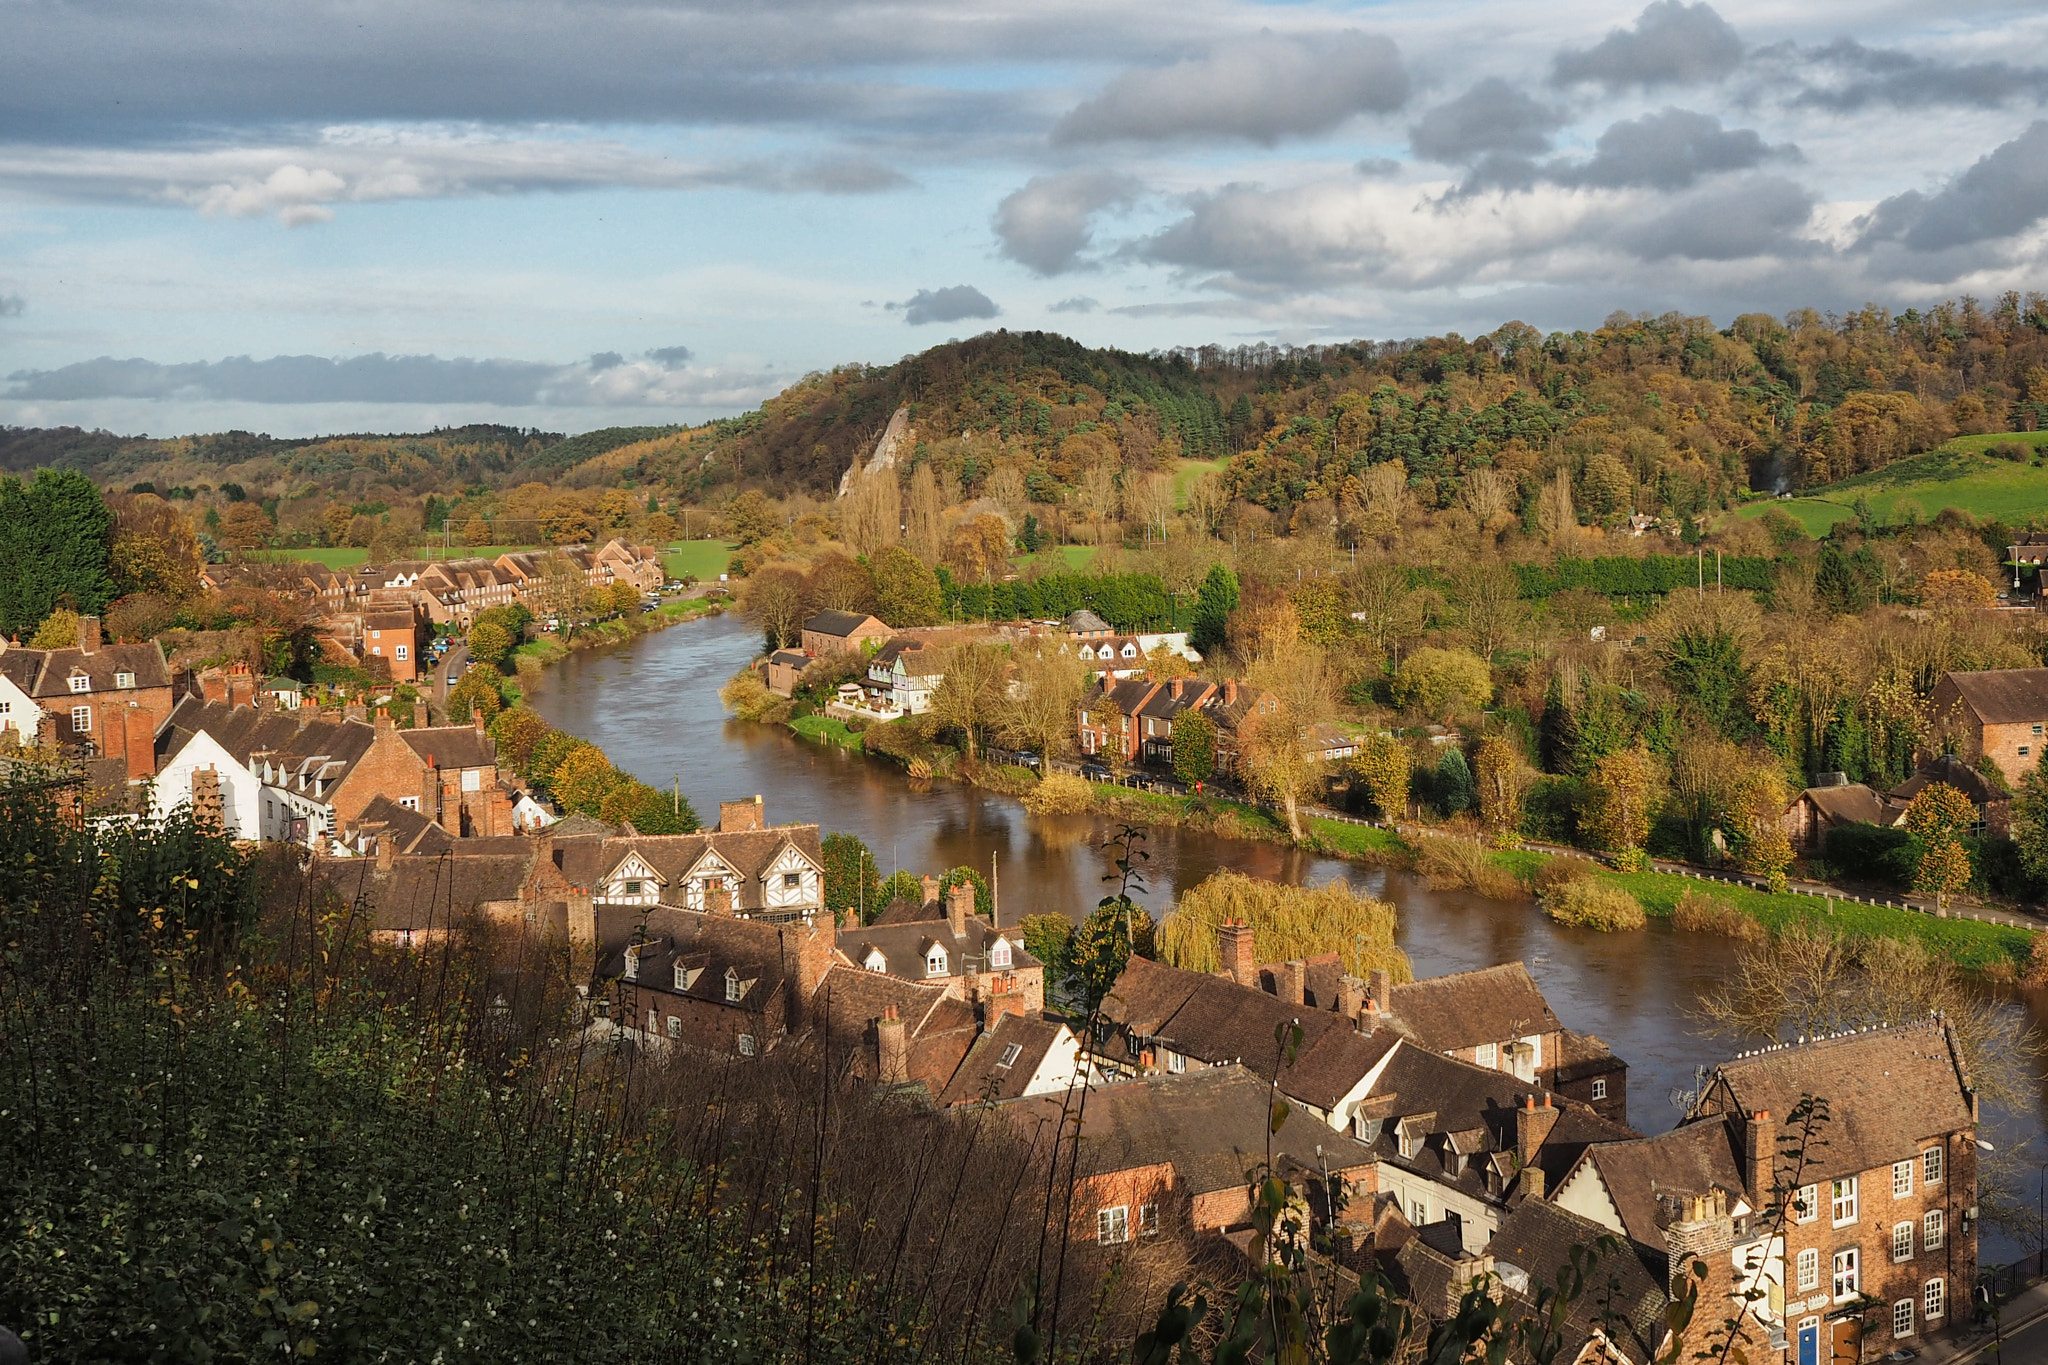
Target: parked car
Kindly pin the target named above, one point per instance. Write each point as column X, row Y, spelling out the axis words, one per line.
column 1095, row 772
column 1028, row 759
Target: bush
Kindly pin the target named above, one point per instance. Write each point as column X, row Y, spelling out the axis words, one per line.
column 747, row 697
column 1460, row 864
column 1555, row 872
column 1589, row 904
column 1060, row 794
column 1875, row 852
column 1699, row 913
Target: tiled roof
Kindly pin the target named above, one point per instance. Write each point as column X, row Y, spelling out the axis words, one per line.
column 145, row 661
column 748, row 852
column 706, row 946
column 407, row 829
column 2001, row 696
column 427, row 891
column 305, row 744
column 1851, row 803
column 1621, row 1297
column 984, row 1075
column 1956, row 773
column 453, row 746
column 839, row 623
column 938, row 1029
column 1643, row 1177
column 1213, row 1125
column 1082, row 619
column 904, row 946
column 1465, row 1009
column 387, row 620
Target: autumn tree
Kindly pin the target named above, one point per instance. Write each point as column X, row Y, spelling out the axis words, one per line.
column 478, row 690
column 970, row 695
column 1957, row 590
column 978, row 547
column 906, row 589
column 750, row 518
column 1441, row 683
column 1501, row 782
column 1279, row 755
column 1489, row 604
column 1388, row 609
column 1040, row 712
column 871, row 513
column 245, row 526
column 490, row 642
column 1756, row 810
column 1556, row 519
column 1194, row 747
column 774, row 600
column 517, row 730
column 1384, row 768
column 923, row 515
column 1626, row 785
column 155, row 549
column 1937, row 818
column 839, row 583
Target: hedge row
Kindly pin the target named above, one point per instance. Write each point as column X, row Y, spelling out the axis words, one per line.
column 1129, row 602
column 1652, row 573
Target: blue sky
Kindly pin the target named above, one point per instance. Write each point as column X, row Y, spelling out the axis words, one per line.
column 387, row 216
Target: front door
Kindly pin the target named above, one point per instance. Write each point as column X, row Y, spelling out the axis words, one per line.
column 1848, row 1342
column 1809, row 1341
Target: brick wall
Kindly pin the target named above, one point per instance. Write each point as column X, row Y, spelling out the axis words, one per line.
column 390, row 768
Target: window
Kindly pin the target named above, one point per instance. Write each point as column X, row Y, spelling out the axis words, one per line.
column 1848, row 1278
column 124, row 680
column 733, row 989
column 402, row 651
column 792, row 880
column 1806, row 1205
column 1600, row 1088
column 377, row 650
column 81, row 719
column 1902, row 1179
column 409, row 802
column 1487, row 1055
column 675, row 1027
column 80, row 683
column 1842, row 1200
column 682, row 978
column 1930, row 1166
column 2037, row 728
column 1902, row 1318
column 1148, row 1220
column 999, row 952
column 1420, row 1213
column 935, row 962
column 1113, row 1226
column 1934, row 1299
column 1902, row 1242
column 1809, row 1270
column 2024, row 750
column 1011, row 1052
column 746, row 1045
column 633, row 965
column 1176, row 1062
column 1933, row 1231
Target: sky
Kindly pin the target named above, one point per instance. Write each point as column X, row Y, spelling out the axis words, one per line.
column 388, row 215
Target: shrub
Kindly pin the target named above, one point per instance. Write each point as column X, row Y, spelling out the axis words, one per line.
column 1555, row 872
column 1060, row 794
column 747, row 697
column 1461, row 864
column 1589, row 904
column 1699, row 913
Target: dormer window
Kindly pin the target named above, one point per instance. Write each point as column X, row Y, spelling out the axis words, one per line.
column 632, row 964
column 875, row 962
column 80, row 682
column 734, row 987
column 935, row 961
column 999, row 953
column 124, row 680
column 682, row 978
column 1011, row 1052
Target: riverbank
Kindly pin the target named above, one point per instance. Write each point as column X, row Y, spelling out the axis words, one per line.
column 551, row 649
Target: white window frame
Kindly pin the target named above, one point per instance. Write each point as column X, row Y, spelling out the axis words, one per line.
column 1902, row 1178
column 124, row 680
column 403, row 652
column 1600, row 1088
column 1902, row 1319
column 675, row 1026
column 1933, row 1231
column 632, row 972
column 1113, row 1225
column 733, row 987
column 999, row 953
column 1902, row 1242
column 682, row 979
column 1934, row 1299
column 1176, row 1062
column 1842, row 1196
column 746, row 1045
column 1808, row 1264
column 1486, row 1055
column 1931, row 1162
column 1806, row 1204
column 935, row 962
column 792, row 879
column 79, row 682
column 81, row 720
column 1847, row 1270
column 1011, row 1052
column 409, row 802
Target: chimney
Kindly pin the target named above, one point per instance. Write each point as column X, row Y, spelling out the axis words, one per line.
column 1230, row 691
column 735, row 817
column 892, row 1049
column 355, row 710
column 88, row 634
column 1173, row 689
column 959, row 905
column 718, row 898
column 499, row 819
column 1759, row 1155
column 1294, row 977
column 1379, row 990
column 206, row 805
column 930, row 885
column 383, row 721
column 452, row 812
column 1235, row 952
column 1532, row 1182
column 476, row 716
column 1350, row 996
column 139, row 740
column 387, row 849
column 1533, row 1123
column 419, row 714
column 213, row 685
column 582, row 935
column 264, row 702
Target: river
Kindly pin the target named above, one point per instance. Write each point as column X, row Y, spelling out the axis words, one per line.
column 652, row 705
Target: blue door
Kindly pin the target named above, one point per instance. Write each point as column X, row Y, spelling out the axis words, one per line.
column 1809, row 1346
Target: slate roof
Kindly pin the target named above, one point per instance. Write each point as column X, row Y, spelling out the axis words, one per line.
column 706, row 946
column 1130, row 694
column 904, row 945
column 427, row 891
column 1212, row 1125
column 1852, row 803
column 1644, row 1177
column 983, row 1075
column 2002, row 696
column 938, row 1028
column 407, row 829
column 453, row 746
column 56, row 666
column 1465, row 1009
column 306, row 745
column 747, row 852
column 1889, row 1093
column 898, row 648
column 20, row 666
column 790, row 658
column 1956, row 773
column 1538, row 1237
column 1082, row 619
column 839, row 623
column 904, row 910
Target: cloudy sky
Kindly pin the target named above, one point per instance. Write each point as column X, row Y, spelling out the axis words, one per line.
column 378, row 215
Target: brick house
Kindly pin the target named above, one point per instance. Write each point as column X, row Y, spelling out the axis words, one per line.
column 1993, row 803
column 1817, row 810
column 709, row 981
column 745, row 868
column 100, row 699
column 957, row 950
column 2000, row 712
column 831, row 631
column 783, row 669
column 393, row 635
column 1880, row 1241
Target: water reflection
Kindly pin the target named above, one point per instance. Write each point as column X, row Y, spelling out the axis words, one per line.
column 652, row 705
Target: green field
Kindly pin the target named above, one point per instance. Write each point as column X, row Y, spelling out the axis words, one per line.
column 1185, row 472
column 705, row 558
column 1070, row 558
column 1958, row 474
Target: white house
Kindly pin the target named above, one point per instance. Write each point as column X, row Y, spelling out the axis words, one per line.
column 18, row 710
column 908, row 673
column 242, row 791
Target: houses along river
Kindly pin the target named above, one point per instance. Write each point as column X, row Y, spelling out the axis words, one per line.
column 652, row 705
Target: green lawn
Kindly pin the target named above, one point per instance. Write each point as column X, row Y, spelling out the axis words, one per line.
column 1958, row 474
column 1071, row 558
column 827, row 730
column 1185, row 472
column 705, row 558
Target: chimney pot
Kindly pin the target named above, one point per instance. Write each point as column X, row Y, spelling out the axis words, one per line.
column 959, row 905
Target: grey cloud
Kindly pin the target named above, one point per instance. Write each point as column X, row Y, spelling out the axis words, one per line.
column 1045, row 224
column 1669, row 150
column 1080, row 303
column 1490, row 117
column 2004, row 193
column 1755, row 216
column 11, row 305
column 1672, row 43
column 670, row 357
column 950, row 304
column 605, row 380
column 1261, row 89
column 1379, row 166
column 1866, row 76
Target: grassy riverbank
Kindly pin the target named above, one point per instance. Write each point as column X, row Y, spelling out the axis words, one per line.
column 552, row 648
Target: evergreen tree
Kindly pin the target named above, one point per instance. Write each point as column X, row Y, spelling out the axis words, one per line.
column 1454, row 791
column 1214, row 602
column 56, row 539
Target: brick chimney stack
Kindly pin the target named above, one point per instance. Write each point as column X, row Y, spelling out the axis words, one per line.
column 419, row 714
column 1379, row 990
column 718, row 898
column 476, row 717
column 1174, row 688
column 959, row 905
column 1236, row 952
column 1294, row 983
column 206, row 803
column 1230, row 691
column 1533, row 1123
column 88, row 634
column 1350, row 997
column 737, row 816
column 930, row 885
column 355, row 710
column 1759, row 1155
column 892, row 1049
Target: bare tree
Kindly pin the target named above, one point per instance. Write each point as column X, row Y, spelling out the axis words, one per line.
column 1488, row 599
column 1489, row 496
column 1097, row 494
column 774, row 599
column 1043, row 706
column 1388, row 609
column 1208, row 502
column 871, row 512
column 922, row 522
column 970, row 694
column 1005, row 487
column 1556, row 518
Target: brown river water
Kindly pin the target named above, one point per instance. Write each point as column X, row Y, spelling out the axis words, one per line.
column 652, row 705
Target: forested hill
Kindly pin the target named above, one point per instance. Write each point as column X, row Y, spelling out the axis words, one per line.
column 1666, row 412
